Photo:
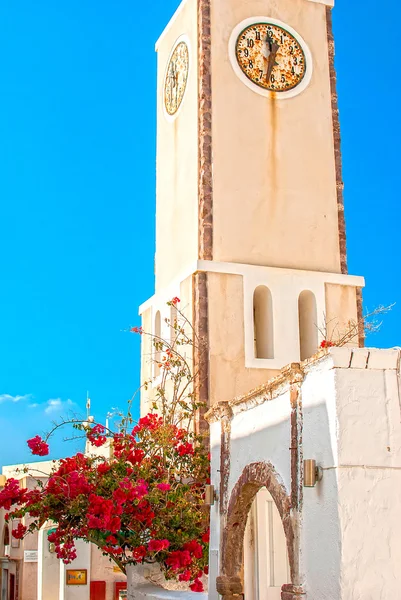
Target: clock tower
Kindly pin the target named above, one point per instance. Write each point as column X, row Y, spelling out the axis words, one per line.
column 250, row 227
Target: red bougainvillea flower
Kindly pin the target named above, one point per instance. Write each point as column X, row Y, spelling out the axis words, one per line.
column 136, row 456
column 19, row 532
column 150, row 422
column 96, row 436
column 12, row 494
column 164, row 487
column 185, row 576
column 206, row 537
column 158, row 545
column 326, row 344
column 38, row 446
column 196, row 586
column 139, row 553
column 179, row 559
column 102, row 514
column 115, row 550
column 136, row 330
column 112, row 539
column 175, row 300
column 184, row 449
column 194, row 548
column 103, row 468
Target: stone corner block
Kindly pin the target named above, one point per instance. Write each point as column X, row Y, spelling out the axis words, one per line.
column 341, row 357
column 384, row 359
column 292, row 592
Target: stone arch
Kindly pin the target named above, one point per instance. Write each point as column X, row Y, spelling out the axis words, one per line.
column 254, row 477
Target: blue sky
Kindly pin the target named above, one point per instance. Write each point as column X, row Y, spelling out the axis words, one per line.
column 77, row 195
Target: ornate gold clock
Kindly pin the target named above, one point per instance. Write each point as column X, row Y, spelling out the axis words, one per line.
column 176, row 77
column 270, row 56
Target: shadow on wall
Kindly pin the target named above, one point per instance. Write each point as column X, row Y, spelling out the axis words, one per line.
column 262, row 458
column 321, row 533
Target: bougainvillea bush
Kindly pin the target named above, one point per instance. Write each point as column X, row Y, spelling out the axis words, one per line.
column 145, row 504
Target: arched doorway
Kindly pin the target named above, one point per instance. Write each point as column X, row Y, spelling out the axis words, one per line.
column 266, row 564
column 259, row 477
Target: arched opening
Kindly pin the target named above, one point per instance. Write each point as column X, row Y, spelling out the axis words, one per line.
column 307, row 314
column 263, row 322
column 266, row 565
column 156, row 343
column 6, row 540
column 237, row 535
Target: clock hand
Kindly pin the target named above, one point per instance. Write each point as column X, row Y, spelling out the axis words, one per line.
column 274, row 48
column 176, row 85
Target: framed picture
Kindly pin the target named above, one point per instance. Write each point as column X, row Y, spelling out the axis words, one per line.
column 76, row 576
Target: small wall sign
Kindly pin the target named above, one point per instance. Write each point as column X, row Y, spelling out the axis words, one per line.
column 76, row 577
column 30, row 556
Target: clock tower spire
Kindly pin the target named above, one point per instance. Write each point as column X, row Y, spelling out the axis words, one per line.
column 250, row 227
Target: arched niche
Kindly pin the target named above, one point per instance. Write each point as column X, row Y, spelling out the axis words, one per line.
column 263, row 322
column 308, row 332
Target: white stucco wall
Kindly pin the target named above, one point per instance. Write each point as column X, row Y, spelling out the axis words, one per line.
column 352, row 428
column 83, row 561
column 260, row 432
column 350, row 527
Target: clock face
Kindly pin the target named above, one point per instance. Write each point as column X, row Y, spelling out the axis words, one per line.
column 176, row 78
column 269, row 56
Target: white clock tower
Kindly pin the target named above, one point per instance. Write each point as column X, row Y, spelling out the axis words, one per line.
column 250, row 229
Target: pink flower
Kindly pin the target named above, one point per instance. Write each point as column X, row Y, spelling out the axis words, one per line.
column 164, row 487
column 38, row 446
column 158, row 545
